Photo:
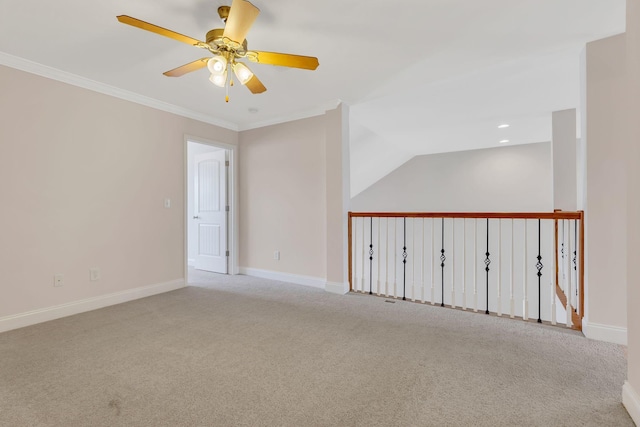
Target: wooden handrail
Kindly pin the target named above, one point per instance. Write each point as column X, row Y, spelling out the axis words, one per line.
column 479, row 215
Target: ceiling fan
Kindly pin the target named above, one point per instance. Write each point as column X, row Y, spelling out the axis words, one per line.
column 228, row 45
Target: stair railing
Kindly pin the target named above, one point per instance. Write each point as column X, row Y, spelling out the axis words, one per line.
column 522, row 265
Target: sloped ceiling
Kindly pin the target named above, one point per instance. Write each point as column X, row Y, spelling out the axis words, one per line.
column 420, row 76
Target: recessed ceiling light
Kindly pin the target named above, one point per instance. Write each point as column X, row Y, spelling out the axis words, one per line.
column 502, row 126
column 504, row 141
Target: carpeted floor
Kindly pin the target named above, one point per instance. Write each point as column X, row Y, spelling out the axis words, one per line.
column 240, row 351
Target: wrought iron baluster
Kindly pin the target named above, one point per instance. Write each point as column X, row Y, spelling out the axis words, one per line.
column 379, row 259
column 562, row 283
column 487, row 262
column 539, row 266
column 371, row 256
column 575, row 258
column 442, row 260
column 404, row 260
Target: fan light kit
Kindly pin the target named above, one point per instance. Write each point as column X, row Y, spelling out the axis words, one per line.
column 228, row 45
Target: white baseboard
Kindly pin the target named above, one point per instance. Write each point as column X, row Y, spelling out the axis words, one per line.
column 314, row 282
column 612, row 334
column 29, row 318
column 631, row 401
column 337, row 288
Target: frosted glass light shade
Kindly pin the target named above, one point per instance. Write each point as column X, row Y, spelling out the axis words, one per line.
column 242, row 72
column 219, row 79
column 217, row 65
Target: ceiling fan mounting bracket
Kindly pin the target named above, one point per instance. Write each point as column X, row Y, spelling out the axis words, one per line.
column 223, row 12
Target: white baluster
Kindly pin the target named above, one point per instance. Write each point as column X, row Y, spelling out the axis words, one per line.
column 475, row 265
column 422, row 264
column 499, row 293
column 363, row 256
column 356, row 266
column 353, row 254
column 395, row 257
column 453, row 263
column 512, row 302
column 464, row 264
column 525, row 297
column 433, row 291
column 413, row 259
column 570, row 270
column 386, row 261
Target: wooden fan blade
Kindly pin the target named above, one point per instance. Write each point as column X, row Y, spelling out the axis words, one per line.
column 159, row 30
column 283, row 59
column 187, row 68
column 241, row 17
column 255, row 85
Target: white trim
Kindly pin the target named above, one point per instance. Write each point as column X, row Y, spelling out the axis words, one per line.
column 313, row 112
column 337, row 288
column 613, row 334
column 83, row 82
column 314, row 282
column 631, row 401
column 191, row 262
column 21, row 320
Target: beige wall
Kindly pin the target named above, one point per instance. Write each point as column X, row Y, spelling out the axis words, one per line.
column 337, row 184
column 633, row 207
column 83, row 177
column 283, row 197
column 505, row 179
column 606, row 200
column 565, row 151
column 290, row 179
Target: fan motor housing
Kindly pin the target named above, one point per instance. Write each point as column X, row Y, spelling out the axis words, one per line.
column 215, row 38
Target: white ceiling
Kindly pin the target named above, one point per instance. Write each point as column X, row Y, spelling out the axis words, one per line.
column 420, row 76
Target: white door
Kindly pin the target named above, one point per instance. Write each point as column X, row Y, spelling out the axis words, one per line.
column 210, row 214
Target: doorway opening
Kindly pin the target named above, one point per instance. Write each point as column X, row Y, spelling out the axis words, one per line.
column 209, row 214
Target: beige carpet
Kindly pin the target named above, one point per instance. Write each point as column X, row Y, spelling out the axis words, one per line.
column 239, row 351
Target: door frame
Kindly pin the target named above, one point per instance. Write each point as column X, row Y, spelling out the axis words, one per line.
column 232, row 195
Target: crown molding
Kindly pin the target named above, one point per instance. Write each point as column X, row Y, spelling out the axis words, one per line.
column 298, row 115
column 75, row 80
